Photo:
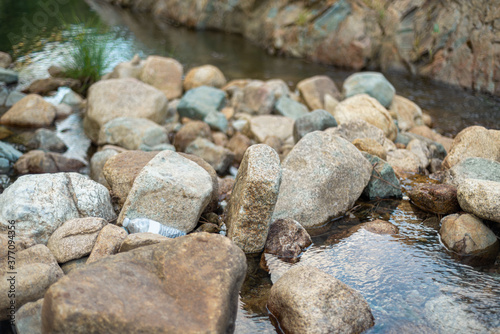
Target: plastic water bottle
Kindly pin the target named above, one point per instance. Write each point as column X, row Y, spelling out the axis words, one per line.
column 138, row 225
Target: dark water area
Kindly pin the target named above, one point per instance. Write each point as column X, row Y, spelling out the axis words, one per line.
column 412, row 283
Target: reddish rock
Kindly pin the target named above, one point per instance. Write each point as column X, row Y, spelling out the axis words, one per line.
column 189, row 132
column 287, row 238
column 435, row 198
column 39, row 162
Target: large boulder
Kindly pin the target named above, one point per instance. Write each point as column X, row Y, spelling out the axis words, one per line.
column 220, row 158
column 307, row 300
column 317, row 120
column 132, row 133
column 261, row 127
column 371, row 83
column 287, row 107
column 473, row 168
column 39, row 162
column 474, row 141
column 165, row 74
column 480, row 197
column 383, row 181
column 253, row 198
column 323, row 176
column 206, row 75
column 120, row 171
column 313, row 91
column 41, row 203
column 30, row 111
column 186, row 285
column 407, row 113
column 110, row 99
column 36, row 269
column 75, row 238
column 171, row 190
column 467, row 235
column 199, row 102
column 368, row 109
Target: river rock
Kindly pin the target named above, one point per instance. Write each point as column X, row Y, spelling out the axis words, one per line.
column 164, row 74
column 39, row 162
column 136, row 240
column 29, row 318
column 420, row 149
column 433, row 150
column 120, row 171
column 189, row 132
column 407, row 113
column 318, row 163
column 474, row 141
column 404, row 162
column 480, row 197
column 427, row 132
column 436, row 198
column 379, row 226
column 473, row 168
column 217, row 121
column 307, row 300
column 206, row 75
column 313, row 91
column 8, row 76
column 22, row 243
column 97, row 163
column 131, row 133
column 5, row 59
column 317, row 120
column 169, row 181
column 47, row 140
column 75, row 238
column 257, row 98
column 287, row 107
column 218, row 157
column 368, row 109
column 287, row 239
column 36, row 269
column 371, row 83
column 383, row 181
column 108, row 242
column 238, row 144
column 72, row 99
column 279, row 88
column 253, row 198
column 14, row 97
column 8, row 152
column 110, row 99
column 45, row 86
column 370, row 146
column 41, row 203
column 467, row 235
column 198, row 102
column 260, row 127
column 226, row 186
column 31, row 111
column 207, row 271
column 129, row 69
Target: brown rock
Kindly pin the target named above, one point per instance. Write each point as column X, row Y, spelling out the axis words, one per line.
column 45, row 86
column 136, row 240
column 121, row 169
column 74, row 264
column 371, row 146
column 220, row 139
column 274, row 142
column 39, row 162
column 36, row 270
column 225, row 188
column 261, row 127
column 164, row 74
column 29, row 318
column 189, row 132
column 220, row 158
column 379, row 226
column 435, row 198
column 404, row 163
column 287, row 239
column 108, row 242
column 238, row 144
column 31, row 111
column 313, row 91
column 5, row 59
column 208, row 227
column 21, row 244
column 187, row 285
column 406, row 112
column 75, row 238
column 206, row 75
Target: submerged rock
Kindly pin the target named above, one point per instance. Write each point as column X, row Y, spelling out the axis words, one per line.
column 195, row 279
column 323, row 176
column 253, row 198
column 307, row 300
column 379, row 226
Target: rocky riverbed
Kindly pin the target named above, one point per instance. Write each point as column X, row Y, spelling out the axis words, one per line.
column 248, row 169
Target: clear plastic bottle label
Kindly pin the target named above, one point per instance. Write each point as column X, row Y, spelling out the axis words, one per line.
column 154, row 227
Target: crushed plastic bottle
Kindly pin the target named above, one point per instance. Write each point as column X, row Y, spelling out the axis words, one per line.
column 139, row 225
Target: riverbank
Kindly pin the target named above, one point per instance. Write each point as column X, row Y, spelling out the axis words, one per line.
column 452, row 42
column 242, row 167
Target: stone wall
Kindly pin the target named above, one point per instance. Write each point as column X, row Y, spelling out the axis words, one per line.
column 455, row 41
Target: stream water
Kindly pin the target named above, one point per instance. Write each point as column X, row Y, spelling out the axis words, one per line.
column 412, row 283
